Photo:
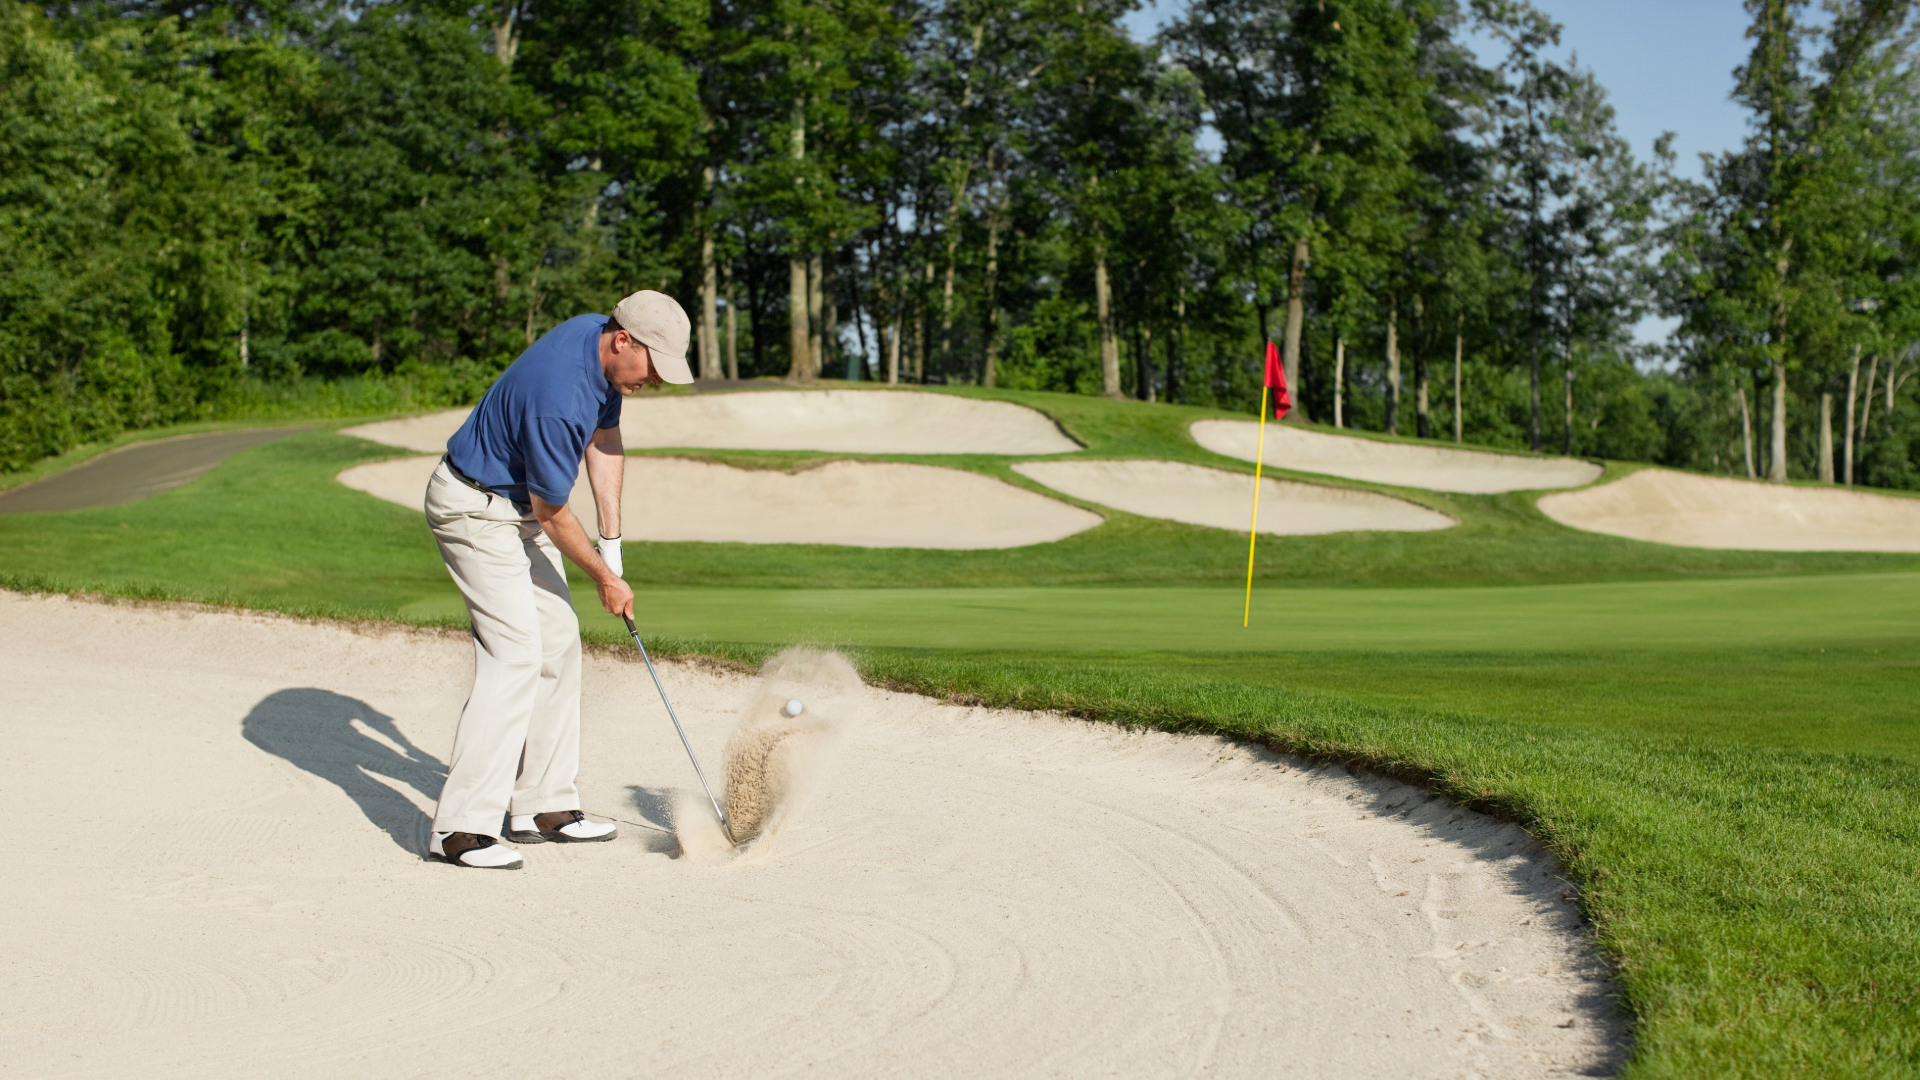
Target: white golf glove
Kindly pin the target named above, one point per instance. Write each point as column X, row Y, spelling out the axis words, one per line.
column 610, row 554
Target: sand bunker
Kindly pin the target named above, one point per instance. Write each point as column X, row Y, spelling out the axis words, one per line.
column 1712, row 512
column 971, row 893
column 856, row 503
column 842, row 421
column 1434, row 468
column 1224, row 500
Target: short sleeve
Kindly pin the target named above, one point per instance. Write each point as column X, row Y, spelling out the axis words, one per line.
column 552, row 450
column 609, row 411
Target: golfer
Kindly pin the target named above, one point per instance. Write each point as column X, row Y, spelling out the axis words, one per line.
column 497, row 504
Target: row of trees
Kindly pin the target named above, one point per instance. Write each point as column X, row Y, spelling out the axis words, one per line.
column 206, row 198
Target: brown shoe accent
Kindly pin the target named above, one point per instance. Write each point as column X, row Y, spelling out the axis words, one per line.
column 458, row 844
column 547, row 826
column 556, row 820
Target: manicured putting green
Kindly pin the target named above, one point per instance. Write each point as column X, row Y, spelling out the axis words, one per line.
column 1551, row 618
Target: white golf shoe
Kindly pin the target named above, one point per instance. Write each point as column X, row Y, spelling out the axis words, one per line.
column 474, row 850
column 560, row 826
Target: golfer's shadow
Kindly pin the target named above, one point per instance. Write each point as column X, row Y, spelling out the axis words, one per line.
column 347, row 742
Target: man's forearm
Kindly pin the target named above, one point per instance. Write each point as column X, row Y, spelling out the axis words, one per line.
column 606, row 473
column 567, row 534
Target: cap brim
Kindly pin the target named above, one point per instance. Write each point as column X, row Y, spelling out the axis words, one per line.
column 671, row 369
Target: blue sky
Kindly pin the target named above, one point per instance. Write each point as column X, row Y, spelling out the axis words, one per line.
column 1667, row 66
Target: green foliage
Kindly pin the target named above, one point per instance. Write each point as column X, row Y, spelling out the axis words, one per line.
column 1056, row 349
column 114, row 287
column 210, row 201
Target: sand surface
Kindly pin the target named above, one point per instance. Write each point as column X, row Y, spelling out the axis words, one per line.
column 969, row 893
column 843, row 421
column 856, row 503
column 1224, row 500
column 1434, row 468
column 134, row 472
column 1714, row 512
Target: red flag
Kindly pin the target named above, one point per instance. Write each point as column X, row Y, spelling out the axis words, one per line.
column 1277, row 380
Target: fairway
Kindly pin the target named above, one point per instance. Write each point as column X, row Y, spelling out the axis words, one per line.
column 1545, row 618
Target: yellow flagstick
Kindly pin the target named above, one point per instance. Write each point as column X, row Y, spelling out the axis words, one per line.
column 1254, row 529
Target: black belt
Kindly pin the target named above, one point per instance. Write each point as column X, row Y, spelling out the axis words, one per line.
column 454, row 471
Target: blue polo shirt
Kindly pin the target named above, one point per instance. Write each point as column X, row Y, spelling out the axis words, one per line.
column 531, row 428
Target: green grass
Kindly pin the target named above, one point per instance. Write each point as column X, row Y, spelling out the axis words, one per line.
column 1549, row 618
column 1721, row 746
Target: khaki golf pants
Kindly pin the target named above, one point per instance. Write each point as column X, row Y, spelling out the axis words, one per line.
column 518, row 746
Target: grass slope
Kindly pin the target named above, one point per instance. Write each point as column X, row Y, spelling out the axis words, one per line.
column 1726, row 761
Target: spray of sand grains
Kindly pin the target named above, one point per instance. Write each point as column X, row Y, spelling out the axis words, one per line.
column 773, row 761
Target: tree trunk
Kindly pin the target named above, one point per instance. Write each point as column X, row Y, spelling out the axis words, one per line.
column 799, row 342
column 893, row 350
column 946, row 289
column 1826, row 438
column 1296, row 322
column 989, row 365
column 506, row 35
column 890, row 323
column 1459, row 346
column 1339, row 381
column 1866, row 410
column 800, row 364
column 1777, row 472
column 946, row 315
column 886, row 328
column 733, row 327
column 1746, row 431
column 1568, row 448
column 1393, row 365
column 1109, row 347
column 863, row 369
column 1853, row 388
column 1422, row 417
column 709, row 298
column 817, row 341
column 920, row 336
column 1143, row 363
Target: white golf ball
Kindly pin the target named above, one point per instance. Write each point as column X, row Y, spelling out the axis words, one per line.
column 793, row 707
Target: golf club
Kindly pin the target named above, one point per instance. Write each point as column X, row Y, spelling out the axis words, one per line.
column 697, row 770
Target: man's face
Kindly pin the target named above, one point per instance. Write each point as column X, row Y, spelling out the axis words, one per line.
column 627, row 364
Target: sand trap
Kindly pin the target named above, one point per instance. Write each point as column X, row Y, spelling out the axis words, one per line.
column 1224, row 500
column 1434, row 468
column 856, row 503
column 1712, row 512
column 843, row 421
column 969, row 893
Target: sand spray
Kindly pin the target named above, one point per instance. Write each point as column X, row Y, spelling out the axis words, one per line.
column 773, row 761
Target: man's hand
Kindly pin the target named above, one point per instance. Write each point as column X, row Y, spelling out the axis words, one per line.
column 616, row 596
column 567, row 535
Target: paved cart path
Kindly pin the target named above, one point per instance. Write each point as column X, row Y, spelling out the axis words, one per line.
column 134, row 472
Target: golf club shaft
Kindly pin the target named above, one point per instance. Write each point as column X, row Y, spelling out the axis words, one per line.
column 697, row 770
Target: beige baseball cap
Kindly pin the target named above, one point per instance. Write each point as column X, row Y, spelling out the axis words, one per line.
column 657, row 321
